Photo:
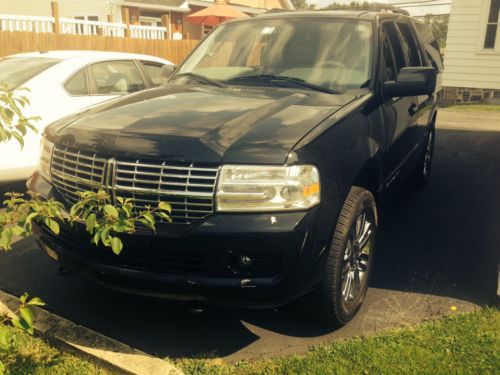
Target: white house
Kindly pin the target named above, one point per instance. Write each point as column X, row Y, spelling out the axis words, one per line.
column 170, row 14
column 472, row 57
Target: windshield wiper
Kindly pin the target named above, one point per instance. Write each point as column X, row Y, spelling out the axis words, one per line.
column 200, row 78
column 292, row 80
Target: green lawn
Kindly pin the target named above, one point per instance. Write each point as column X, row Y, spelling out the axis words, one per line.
column 459, row 344
column 475, row 107
column 34, row 356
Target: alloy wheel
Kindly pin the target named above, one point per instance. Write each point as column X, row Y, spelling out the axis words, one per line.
column 357, row 257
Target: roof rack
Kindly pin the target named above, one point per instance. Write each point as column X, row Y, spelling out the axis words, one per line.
column 277, row 10
column 380, row 7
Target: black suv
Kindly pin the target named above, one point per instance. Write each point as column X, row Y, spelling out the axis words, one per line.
column 273, row 142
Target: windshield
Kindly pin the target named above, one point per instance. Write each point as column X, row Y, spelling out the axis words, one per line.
column 334, row 54
column 15, row 71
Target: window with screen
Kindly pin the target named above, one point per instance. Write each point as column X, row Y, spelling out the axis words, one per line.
column 492, row 26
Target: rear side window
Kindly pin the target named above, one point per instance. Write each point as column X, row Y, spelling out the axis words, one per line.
column 78, row 83
column 116, row 77
column 153, row 70
column 16, row 71
column 410, row 45
column 392, row 34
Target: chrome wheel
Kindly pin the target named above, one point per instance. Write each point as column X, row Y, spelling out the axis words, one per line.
column 357, row 257
column 428, row 154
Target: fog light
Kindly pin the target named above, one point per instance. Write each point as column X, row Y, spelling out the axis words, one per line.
column 245, row 261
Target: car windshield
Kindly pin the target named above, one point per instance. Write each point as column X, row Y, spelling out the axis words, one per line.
column 15, row 71
column 330, row 54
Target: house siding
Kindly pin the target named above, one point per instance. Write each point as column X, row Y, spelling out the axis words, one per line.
column 467, row 64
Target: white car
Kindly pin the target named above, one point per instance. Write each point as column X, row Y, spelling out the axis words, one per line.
column 65, row 82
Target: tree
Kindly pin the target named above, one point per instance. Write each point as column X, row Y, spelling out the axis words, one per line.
column 439, row 26
column 357, row 5
column 300, row 4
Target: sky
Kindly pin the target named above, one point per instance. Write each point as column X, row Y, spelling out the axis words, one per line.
column 436, row 8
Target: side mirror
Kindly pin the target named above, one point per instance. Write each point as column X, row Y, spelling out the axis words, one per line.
column 167, row 71
column 412, row 81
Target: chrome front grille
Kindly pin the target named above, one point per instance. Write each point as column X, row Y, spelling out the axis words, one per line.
column 75, row 171
column 190, row 188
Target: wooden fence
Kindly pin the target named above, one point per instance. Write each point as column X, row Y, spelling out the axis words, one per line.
column 19, row 42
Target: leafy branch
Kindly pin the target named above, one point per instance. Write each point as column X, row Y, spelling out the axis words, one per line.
column 13, row 123
column 102, row 220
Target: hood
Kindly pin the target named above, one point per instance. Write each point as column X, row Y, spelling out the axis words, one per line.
column 200, row 124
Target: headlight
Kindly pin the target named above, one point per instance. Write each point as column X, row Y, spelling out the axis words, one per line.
column 45, row 159
column 267, row 188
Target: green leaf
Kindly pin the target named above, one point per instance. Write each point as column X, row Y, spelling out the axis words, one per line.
column 23, row 298
column 27, row 315
column 105, row 236
column 164, row 216
column 165, row 207
column 111, row 210
column 90, row 223
column 149, row 218
column 22, row 324
column 6, row 238
column 53, row 225
column 116, row 245
column 18, row 137
column 31, row 216
column 35, row 301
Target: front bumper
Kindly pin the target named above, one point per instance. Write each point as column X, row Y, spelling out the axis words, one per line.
column 204, row 263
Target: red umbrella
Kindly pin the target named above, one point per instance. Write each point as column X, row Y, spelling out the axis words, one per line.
column 215, row 14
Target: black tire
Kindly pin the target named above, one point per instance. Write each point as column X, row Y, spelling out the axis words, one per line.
column 330, row 303
column 419, row 177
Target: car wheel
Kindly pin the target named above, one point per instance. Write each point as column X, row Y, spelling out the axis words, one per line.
column 420, row 175
column 342, row 290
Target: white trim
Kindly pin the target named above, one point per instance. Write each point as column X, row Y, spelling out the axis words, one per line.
column 485, row 12
column 181, row 9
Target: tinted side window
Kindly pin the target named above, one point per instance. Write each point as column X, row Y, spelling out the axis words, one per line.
column 153, row 70
column 392, row 33
column 116, row 77
column 78, row 83
column 410, row 44
column 390, row 69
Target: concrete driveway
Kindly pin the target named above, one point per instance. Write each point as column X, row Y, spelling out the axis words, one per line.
column 437, row 248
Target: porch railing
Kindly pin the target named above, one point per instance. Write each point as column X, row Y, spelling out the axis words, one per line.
column 79, row 27
column 26, row 23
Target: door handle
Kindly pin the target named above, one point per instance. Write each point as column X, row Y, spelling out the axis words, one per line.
column 412, row 109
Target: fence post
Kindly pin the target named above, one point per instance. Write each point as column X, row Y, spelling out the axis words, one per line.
column 165, row 23
column 54, row 8
column 126, row 21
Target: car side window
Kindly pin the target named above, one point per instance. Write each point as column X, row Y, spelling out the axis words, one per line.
column 389, row 66
column 410, row 44
column 391, row 32
column 77, row 84
column 153, row 70
column 116, row 78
